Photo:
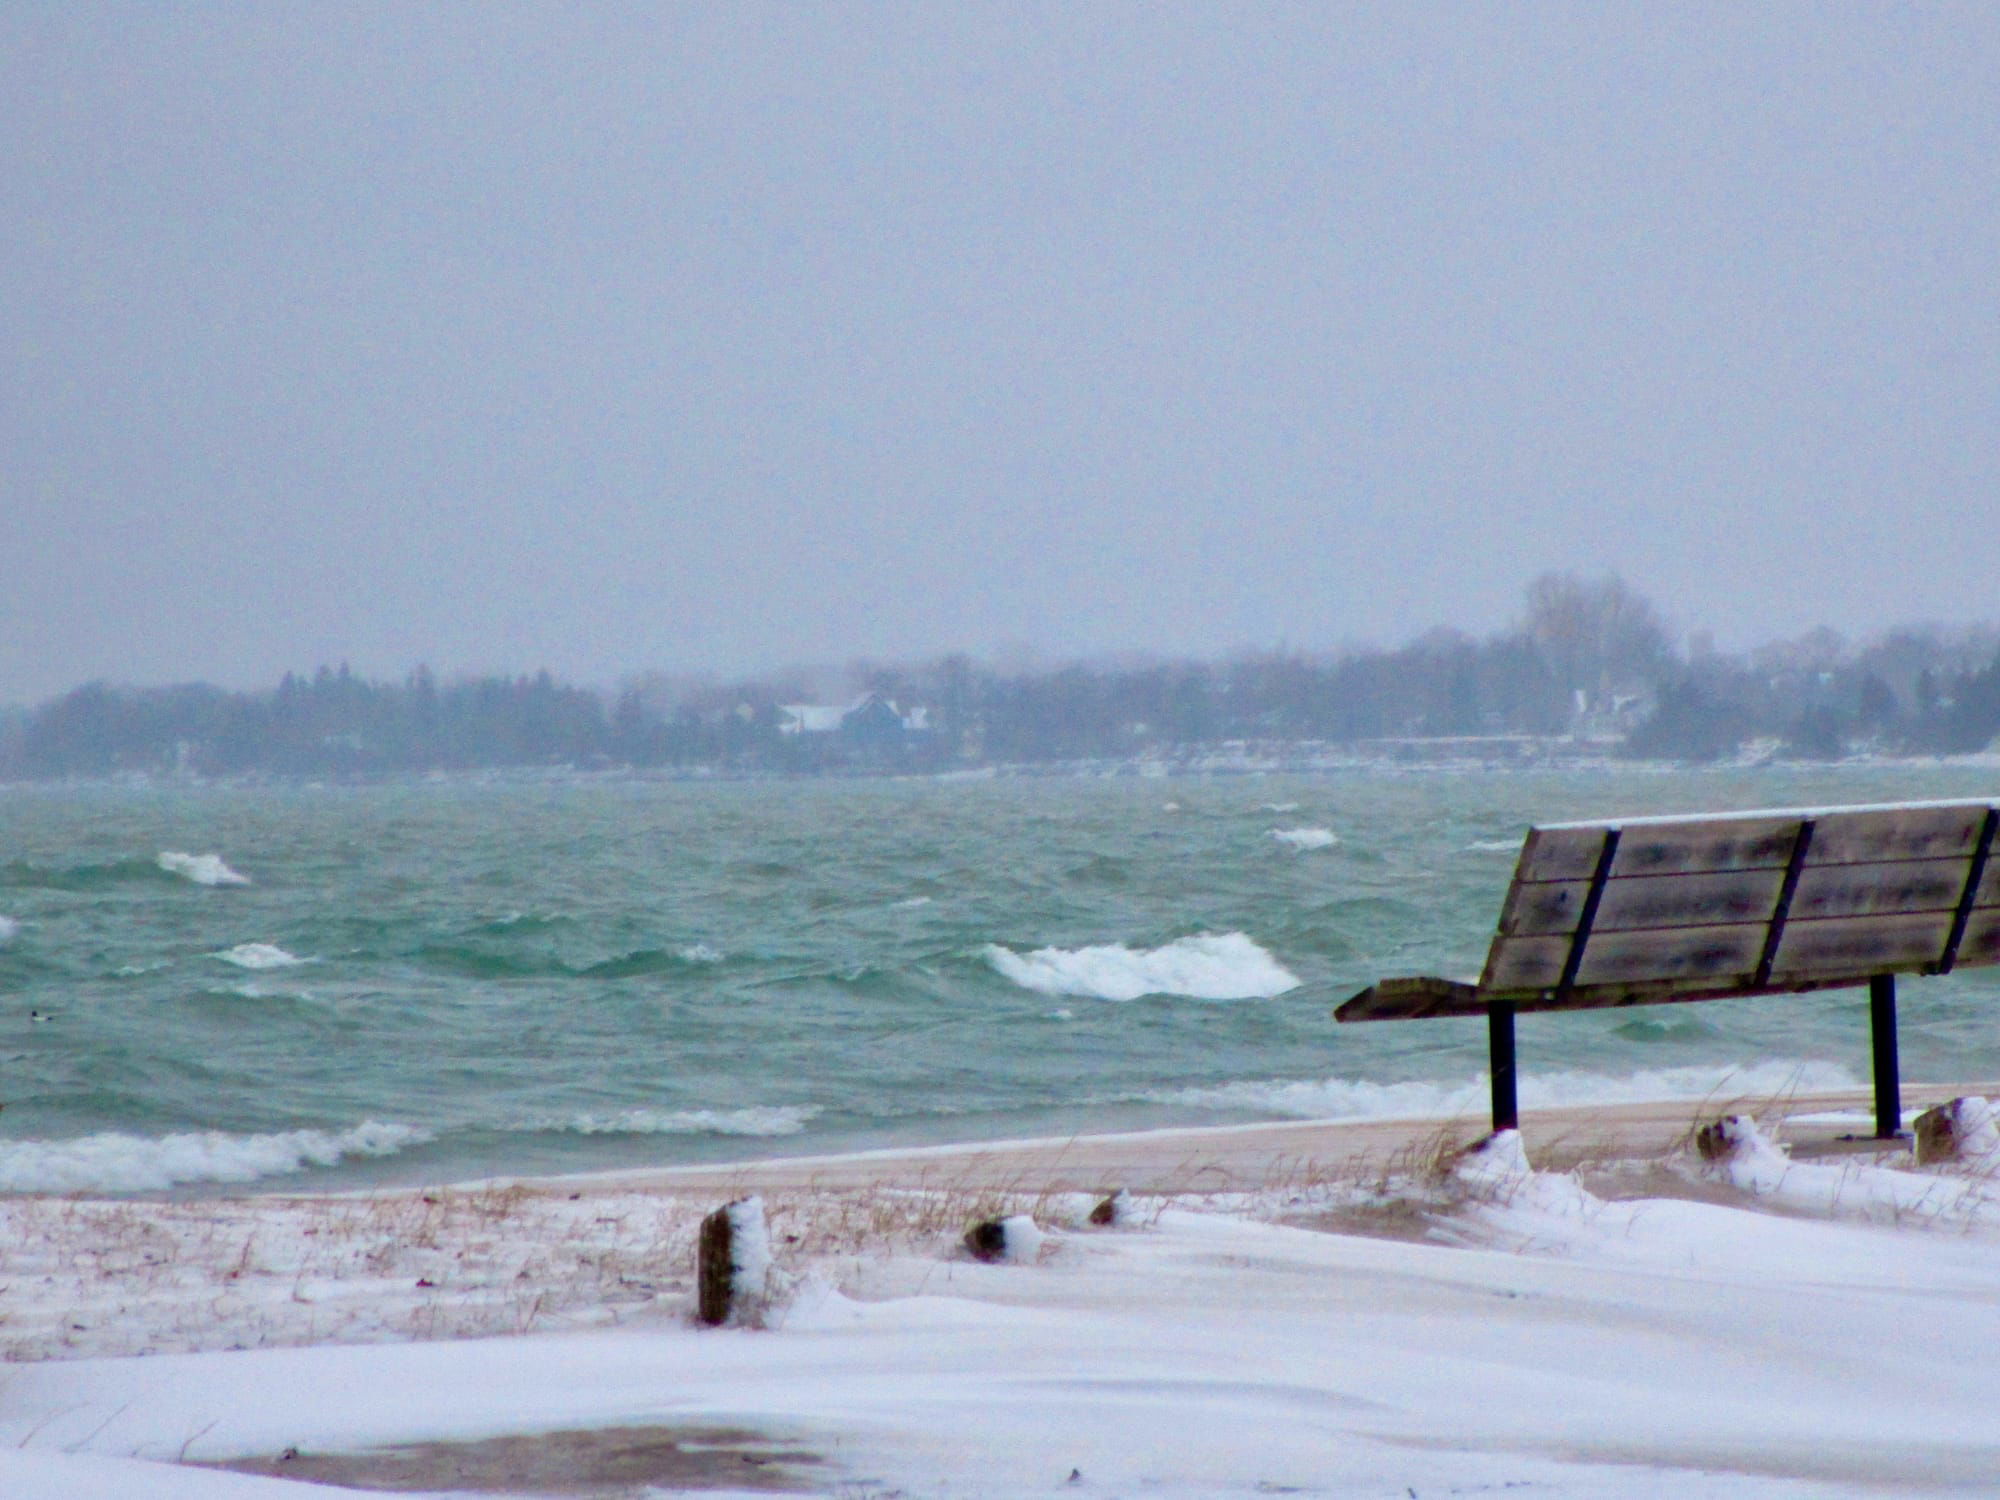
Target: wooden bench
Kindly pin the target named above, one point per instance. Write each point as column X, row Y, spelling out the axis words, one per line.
column 1647, row 911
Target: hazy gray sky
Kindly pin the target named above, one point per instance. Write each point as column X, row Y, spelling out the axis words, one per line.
column 615, row 338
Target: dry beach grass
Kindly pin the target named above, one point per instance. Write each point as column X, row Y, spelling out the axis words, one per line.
column 127, row 1276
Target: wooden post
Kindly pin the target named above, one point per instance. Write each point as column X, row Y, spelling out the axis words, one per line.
column 1882, row 1031
column 1500, row 1040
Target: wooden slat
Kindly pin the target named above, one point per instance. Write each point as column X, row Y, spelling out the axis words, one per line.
column 1882, row 835
column 1708, row 955
column 1912, row 885
column 1688, row 955
column 1412, row 999
column 1860, row 946
column 1560, row 853
column 1875, row 835
column 1981, row 943
column 1547, row 907
column 1659, row 992
column 1542, row 908
column 1698, row 847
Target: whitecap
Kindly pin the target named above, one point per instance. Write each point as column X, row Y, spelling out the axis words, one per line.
column 202, row 869
column 1362, row 1099
column 772, row 1119
column 1303, row 839
column 1493, row 846
column 1279, row 807
column 701, row 953
column 1225, row 966
column 910, row 905
column 259, row 956
column 9, row 927
column 117, row 1163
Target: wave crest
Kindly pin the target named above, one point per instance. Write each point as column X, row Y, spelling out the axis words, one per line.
column 1303, row 839
column 1361, row 1099
column 772, row 1119
column 1225, row 966
column 117, row 1163
column 259, row 956
column 202, row 869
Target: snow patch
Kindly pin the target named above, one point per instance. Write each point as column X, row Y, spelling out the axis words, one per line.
column 1225, row 966
column 749, row 1250
column 1759, row 1165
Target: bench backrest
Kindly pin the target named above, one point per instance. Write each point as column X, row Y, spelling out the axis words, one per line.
column 1749, row 903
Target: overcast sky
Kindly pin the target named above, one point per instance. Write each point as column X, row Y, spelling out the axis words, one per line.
column 620, row 338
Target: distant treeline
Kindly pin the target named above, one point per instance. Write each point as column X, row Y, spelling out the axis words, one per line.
column 1589, row 658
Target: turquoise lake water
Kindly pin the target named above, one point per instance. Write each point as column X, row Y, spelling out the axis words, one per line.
column 206, row 987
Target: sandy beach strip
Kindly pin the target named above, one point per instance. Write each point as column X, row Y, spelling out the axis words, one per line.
column 1234, row 1158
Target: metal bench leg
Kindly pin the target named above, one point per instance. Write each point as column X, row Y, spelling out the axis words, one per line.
column 1500, row 1038
column 1882, row 1030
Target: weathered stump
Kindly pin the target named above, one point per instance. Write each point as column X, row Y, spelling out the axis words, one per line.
column 732, row 1262
column 1722, row 1139
column 1015, row 1238
column 1113, row 1211
column 1961, row 1128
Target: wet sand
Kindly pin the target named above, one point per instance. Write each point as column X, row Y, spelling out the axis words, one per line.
column 597, row 1463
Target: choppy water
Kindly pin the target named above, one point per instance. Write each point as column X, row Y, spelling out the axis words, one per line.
column 293, row 986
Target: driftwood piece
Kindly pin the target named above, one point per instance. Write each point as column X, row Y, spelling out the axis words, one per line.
column 732, row 1262
column 1723, row 1139
column 1015, row 1238
column 1959, row 1129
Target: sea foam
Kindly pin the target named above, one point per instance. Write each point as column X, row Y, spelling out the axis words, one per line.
column 1306, row 838
column 9, row 927
column 1225, row 966
column 1360, row 1099
column 774, row 1119
column 118, row 1163
column 259, row 956
column 202, row 869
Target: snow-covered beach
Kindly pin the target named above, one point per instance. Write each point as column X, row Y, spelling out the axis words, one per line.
column 1347, row 1309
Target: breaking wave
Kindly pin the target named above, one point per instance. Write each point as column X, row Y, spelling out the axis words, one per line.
column 259, row 956
column 9, row 926
column 1359, row 1099
column 642, row 961
column 1306, row 838
column 776, row 1119
column 202, row 869
column 1226, row 966
column 117, row 1163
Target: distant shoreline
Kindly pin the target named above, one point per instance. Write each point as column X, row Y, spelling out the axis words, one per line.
column 1558, row 756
